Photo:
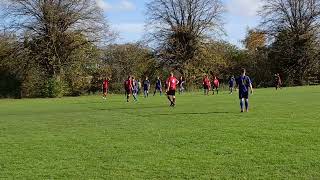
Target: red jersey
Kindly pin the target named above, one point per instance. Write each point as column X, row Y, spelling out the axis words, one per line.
column 173, row 83
column 105, row 84
column 128, row 84
column 216, row 83
column 206, row 81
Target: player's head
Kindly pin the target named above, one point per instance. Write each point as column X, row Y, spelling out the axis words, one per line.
column 146, row 77
column 215, row 77
column 106, row 78
column 181, row 77
column 243, row 71
column 158, row 77
column 132, row 78
column 171, row 74
column 129, row 77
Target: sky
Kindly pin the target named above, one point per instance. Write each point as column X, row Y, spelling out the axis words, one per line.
column 127, row 17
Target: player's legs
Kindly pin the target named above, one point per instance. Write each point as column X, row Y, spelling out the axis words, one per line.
column 247, row 104
column 173, row 100
column 245, row 100
column 128, row 96
column 104, row 96
column 134, row 94
column 241, row 104
column 169, row 98
column 241, row 101
column 155, row 91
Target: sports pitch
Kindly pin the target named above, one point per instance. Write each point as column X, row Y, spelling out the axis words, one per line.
column 201, row 138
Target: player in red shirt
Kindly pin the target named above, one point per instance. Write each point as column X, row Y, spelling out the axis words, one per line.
column 128, row 87
column 206, row 85
column 105, row 86
column 171, row 89
column 216, row 85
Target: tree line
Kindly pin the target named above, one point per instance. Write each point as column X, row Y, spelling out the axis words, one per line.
column 54, row 48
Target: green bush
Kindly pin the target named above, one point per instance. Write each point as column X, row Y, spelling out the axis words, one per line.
column 53, row 88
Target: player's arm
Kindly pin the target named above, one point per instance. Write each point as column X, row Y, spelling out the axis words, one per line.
column 251, row 89
column 169, row 84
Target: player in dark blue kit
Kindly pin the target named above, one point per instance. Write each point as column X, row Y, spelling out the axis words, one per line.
column 158, row 87
column 244, row 83
column 231, row 84
column 146, row 87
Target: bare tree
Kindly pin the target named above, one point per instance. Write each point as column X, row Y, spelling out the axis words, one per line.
column 301, row 17
column 180, row 26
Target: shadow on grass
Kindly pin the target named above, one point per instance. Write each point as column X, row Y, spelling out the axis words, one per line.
column 185, row 113
column 128, row 108
column 159, row 114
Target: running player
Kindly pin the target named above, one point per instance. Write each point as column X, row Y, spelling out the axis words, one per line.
column 135, row 89
column 181, row 85
column 158, row 87
column 146, row 87
column 128, row 87
column 231, row 84
column 105, row 86
column 244, row 83
column 171, row 89
column 206, row 85
column 216, row 85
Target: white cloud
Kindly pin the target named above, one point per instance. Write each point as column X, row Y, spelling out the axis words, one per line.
column 123, row 5
column 126, row 5
column 103, row 5
column 129, row 27
column 247, row 8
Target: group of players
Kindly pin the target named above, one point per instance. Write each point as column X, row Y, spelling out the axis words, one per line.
column 133, row 86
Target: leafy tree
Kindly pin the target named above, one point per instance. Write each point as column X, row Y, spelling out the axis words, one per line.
column 294, row 26
column 56, row 40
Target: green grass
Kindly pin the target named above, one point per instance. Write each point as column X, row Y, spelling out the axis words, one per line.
column 202, row 138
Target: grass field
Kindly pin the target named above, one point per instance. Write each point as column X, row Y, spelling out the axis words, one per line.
column 202, row 138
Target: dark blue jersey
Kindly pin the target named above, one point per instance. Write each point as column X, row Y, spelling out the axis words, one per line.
column 244, row 83
column 146, row 84
column 158, row 83
column 231, row 81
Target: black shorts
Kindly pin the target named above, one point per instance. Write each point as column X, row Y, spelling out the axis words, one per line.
column 171, row 93
column 244, row 95
column 105, row 90
column 128, row 91
column 205, row 87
